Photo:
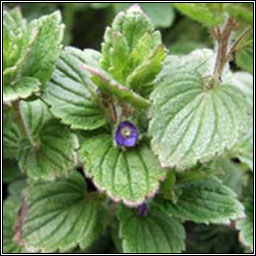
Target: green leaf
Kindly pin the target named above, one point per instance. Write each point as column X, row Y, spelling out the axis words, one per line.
column 244, row 151
column 72, row 94
column 195, row 174
column 204, row 201
column 141, row 79
column 13, row 28
column 16, row 40
column 115, row 236
column 44, row 148
column 162, row 15
column 202, row 12
column 244, row 58
column 132, row 51
column 49, row 151
column 21, row 88
column 201, row 60
column 16, row 187
column 231, row 174
column 10, row 209
column 109, row 85
column 127, row 175
column 168, row 185
column 11, row 135
column 244, row 81
column 244, row 148
column 30, row 53
column 45, row 49
column 195, row 122
column 242, row 12
column 60, row 215
column 155, row 233
column 246, row 225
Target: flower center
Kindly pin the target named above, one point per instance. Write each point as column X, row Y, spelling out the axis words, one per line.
column 126, row 132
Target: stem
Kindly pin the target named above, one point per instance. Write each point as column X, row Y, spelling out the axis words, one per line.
column 19, row 119
column 222, row 37
column 113, row 114
column 237, row 43
column 109, row 107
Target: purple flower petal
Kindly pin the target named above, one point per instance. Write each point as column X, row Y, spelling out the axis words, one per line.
column 130, row 142
column 143, row 210
column 126, row 134
column 119, row 139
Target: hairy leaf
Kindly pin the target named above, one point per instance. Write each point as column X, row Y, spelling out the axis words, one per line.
column 21, row 88
column 60, row 215
column 201, row 60
column 246, row 225
column 130, row 175
column 244, row 58
column 45, row 49
column 45, row 149
column 155, row 233
column 16, row 187
column 162, row 15
column 14, row 26
column 10, row 209
column 204, row 201
column 11, row 135
column 195, row 174
column 30, row 53
column 141, row 79
column 231, row 174
column 244, row 151
column 244, row 148
column 72, row 94
column 49, row 151
column 244, row 81
column 168, row 185
column 107, row 84
column 242, row 12
column 16, row 41
column 132, row 51
column 191, row 123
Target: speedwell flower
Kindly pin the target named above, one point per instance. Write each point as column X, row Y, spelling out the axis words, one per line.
column 126, row 134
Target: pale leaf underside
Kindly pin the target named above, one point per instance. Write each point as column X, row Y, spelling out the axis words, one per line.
column 190, row 123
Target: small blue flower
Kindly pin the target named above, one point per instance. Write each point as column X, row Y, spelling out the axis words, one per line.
column 143, row 210
column 126, row 134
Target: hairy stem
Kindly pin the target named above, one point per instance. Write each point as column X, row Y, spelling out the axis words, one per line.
column 237, row 43
column 223, row 37
column 109, row 107
column 19, row 120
